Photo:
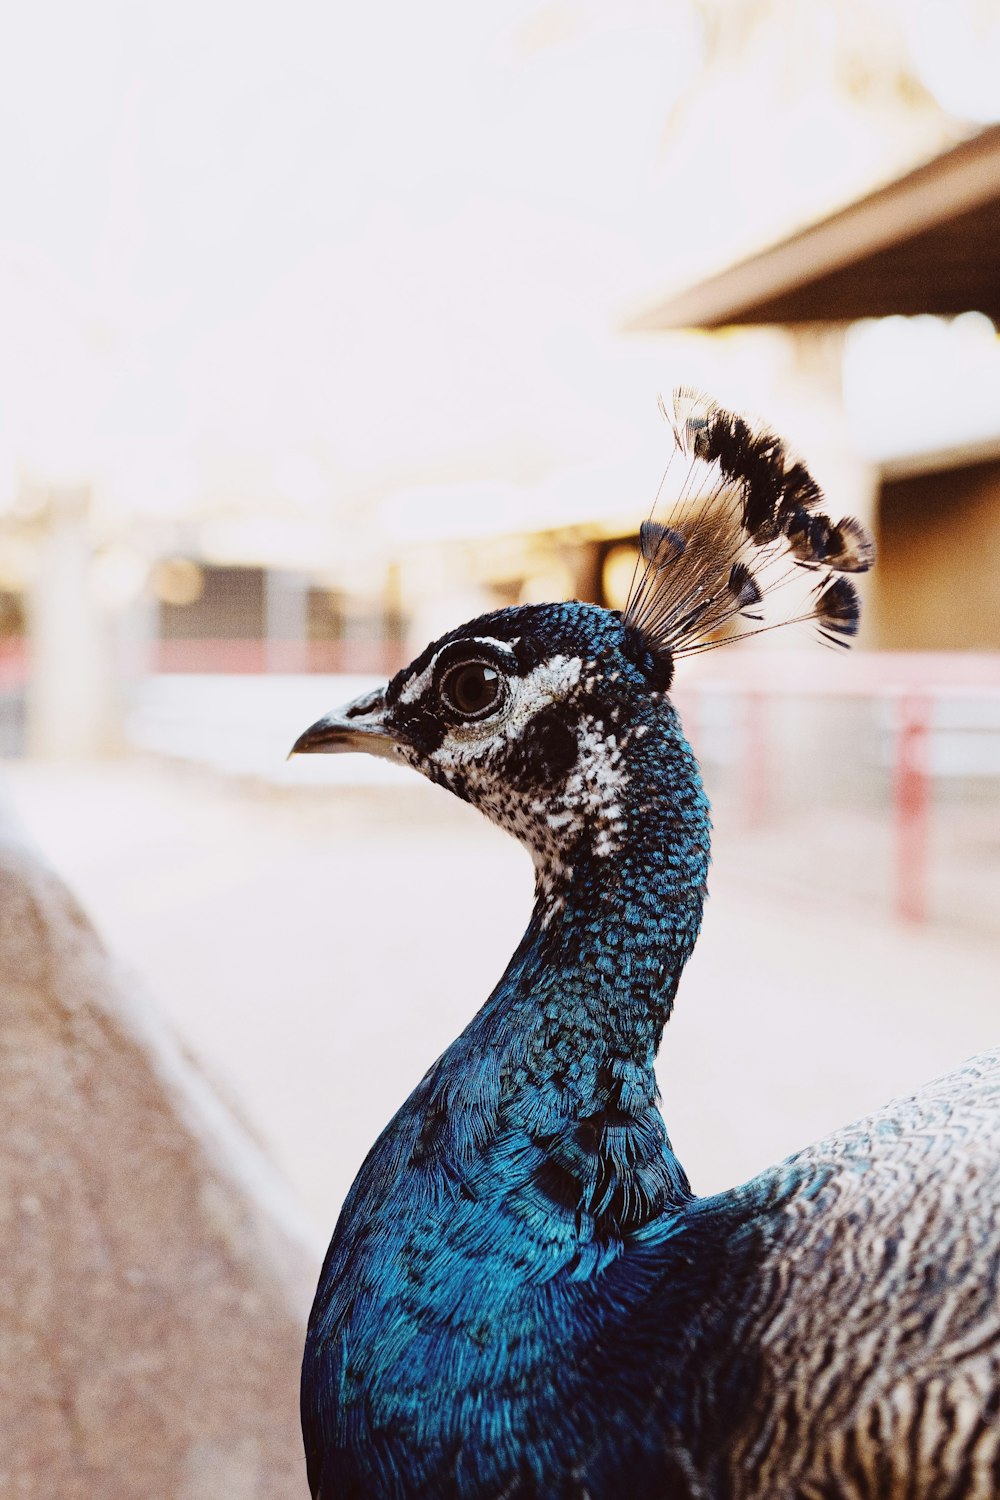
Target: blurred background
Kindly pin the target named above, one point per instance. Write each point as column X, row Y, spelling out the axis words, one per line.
column 325, row 327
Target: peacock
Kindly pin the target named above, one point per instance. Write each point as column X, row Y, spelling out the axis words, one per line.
column 523, row 1298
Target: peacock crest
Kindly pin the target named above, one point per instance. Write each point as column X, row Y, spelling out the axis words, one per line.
column 727, row 552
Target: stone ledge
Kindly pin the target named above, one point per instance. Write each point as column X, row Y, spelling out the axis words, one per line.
column 157, row 1273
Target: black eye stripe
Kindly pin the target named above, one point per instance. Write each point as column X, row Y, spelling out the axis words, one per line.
column 546, row 751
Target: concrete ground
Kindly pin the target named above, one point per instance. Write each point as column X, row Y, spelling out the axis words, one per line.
column 317, row 946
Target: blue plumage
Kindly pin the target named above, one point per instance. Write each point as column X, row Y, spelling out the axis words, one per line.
column 522, row 1297
column 480, row 1260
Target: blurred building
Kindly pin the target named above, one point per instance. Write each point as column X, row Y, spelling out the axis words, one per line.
column 922, row 465
column 12, row 633
column 216, row 617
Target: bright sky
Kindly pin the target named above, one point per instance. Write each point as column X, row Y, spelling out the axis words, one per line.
column 321, row 236
column 319, row 251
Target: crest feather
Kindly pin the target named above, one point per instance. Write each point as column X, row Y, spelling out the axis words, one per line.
column 744, row 522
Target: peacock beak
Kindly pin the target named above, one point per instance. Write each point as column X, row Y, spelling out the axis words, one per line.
column 359, row 725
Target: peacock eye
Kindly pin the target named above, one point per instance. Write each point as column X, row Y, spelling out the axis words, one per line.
column 472, row 689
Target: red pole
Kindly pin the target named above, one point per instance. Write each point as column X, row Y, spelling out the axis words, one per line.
column 912, row 807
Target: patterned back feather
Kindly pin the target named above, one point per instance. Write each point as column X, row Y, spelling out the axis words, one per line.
column 743, row 524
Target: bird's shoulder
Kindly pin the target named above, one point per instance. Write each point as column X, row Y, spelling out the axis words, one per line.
column 874, row 1306
column 915, row 1184
column 946, row 1131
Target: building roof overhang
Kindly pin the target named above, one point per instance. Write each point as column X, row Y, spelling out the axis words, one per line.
column 927, row 242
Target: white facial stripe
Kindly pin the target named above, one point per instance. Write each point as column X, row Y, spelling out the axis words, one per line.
column 488, row 640
column 552, row 678
column 418, row 685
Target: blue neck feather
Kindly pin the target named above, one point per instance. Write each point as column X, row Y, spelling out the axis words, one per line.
column 595, row 975
column 524, row 1194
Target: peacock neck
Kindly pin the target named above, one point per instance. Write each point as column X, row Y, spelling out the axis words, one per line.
column 616, row 916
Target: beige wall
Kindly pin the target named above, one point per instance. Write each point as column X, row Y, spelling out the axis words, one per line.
column 937, row 582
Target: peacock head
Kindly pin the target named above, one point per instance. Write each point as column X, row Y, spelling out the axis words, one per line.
column 527, row 713
column 553, row 719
